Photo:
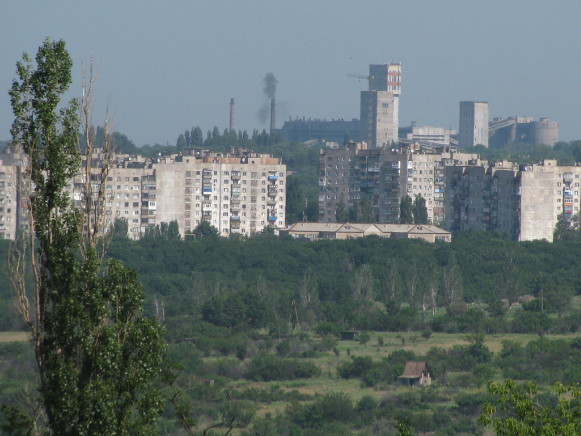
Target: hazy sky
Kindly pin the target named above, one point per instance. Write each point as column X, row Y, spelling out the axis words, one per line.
column 167, row 66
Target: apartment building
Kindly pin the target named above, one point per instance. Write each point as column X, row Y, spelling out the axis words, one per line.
column 523, row 202
column 236, row 192
column 10, row 208
column 348, row 174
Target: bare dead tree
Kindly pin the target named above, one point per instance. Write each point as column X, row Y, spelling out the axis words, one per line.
column 96, row 165
column 363, row 287
column 452, row 280
column 391, row 280
column 308, row 297
column 412, row 281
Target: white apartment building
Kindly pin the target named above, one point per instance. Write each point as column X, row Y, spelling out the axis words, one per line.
column 237, row 192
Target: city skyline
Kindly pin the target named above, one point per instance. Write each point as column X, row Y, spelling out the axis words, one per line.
column 167, row 68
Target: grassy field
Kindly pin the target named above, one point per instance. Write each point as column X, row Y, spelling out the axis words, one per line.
column 329, row 381
column 13, row 336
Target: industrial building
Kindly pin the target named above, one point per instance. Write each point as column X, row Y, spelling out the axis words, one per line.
column 334, row 131
column 379, row 107
column 428, row 136
column 473, row 125
column 238, row 192
column 511, row 130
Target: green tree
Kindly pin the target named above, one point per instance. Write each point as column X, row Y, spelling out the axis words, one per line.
column 368, row 212
column 341, row 212
column 206, row 230
column 197, row 137
column 405, row 210
column 419, row 210
column 518, row 411
column 294, row 200
column 181, row 142
column 565, row 230
column 97, row 355
column 120, row 227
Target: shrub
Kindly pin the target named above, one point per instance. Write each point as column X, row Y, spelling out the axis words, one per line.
column 354, row 368
column 267, row 367
column 331, row 407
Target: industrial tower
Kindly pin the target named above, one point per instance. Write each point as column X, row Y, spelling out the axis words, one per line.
column 380, row 105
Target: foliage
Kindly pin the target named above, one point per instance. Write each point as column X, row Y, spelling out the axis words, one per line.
column 97, row 355
column 206, row 230
column 518, row 412
column 419, row 210
column 406, row 215
column 331, row 407
column 268, row 367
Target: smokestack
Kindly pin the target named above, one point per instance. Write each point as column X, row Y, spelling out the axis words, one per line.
column 272, row 115
column 231, row 114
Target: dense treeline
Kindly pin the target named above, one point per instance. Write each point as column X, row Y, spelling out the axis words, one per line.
column 566, row 153
column 369, row 283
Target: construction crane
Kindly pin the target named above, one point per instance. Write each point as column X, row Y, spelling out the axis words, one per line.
column 359, row 76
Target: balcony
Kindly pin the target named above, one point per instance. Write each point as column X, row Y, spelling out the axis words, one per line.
column 272, row 178
column 234, row 218
column 271, row 219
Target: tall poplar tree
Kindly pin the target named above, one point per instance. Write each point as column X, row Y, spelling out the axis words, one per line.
column 98, row 356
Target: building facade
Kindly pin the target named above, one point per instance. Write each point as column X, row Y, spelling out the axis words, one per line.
column 303, row 130
column 348, row 175
column 379, row 106
column 505, row 131
column 240, row 192
column 428, row 136
column 473, row 129
column 11, row 209
column 523, row 202
column 379, row 118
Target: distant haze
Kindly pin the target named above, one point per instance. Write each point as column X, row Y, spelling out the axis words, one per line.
column 169, row 66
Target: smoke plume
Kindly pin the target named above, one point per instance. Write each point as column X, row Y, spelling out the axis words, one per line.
column 269, row 90
column 270, row 83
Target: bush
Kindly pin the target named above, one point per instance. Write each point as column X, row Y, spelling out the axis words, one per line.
column 357, row 367
column 526, row 321
column 267, row 367
column 331, row 407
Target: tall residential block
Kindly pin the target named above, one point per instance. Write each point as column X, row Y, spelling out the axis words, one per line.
column 523, row 202
column 473, row 129
column 237, row 192
column 11, row 207
column 383, row 177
